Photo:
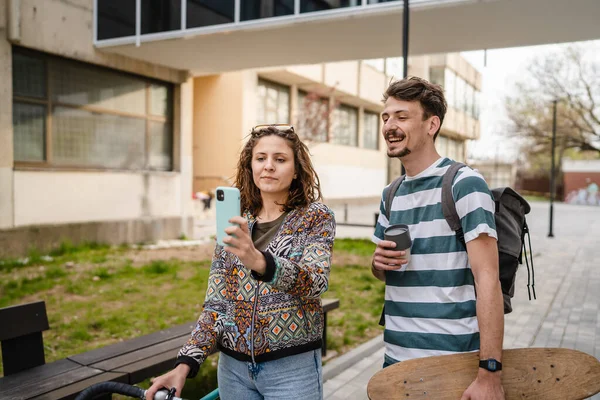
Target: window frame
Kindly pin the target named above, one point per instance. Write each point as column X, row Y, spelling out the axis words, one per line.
column 279, row 87
column 325, row 105
column 450, row 80
column 341, row 107
column 364, row 130
column 52, row 61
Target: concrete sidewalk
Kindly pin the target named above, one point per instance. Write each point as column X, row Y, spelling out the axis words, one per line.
column 567, row 283
column 565, row 314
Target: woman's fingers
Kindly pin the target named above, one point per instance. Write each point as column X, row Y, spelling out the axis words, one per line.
column 231, row 230
column 153, row 389
column 238, row 220
column 241, row 222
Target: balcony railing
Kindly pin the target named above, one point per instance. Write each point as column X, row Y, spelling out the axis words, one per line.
column 118, row 22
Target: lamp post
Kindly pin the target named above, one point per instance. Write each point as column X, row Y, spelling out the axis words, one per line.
column 552, row 168
column 405, row 27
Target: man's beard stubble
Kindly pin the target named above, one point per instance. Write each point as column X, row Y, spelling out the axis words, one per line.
column 402, row 153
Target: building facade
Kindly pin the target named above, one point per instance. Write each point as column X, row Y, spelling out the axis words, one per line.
column 581, row 180
column 93, row 146
column 335, row 107
column 496, row 173
column 101, row 146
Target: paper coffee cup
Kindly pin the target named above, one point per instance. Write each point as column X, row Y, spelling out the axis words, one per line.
column 399, row 234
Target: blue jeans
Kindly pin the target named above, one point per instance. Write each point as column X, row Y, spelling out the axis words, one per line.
column 294, row 377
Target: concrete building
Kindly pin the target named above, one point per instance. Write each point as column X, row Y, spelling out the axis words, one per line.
column 93, row 146
column 113, row 112
column 347, row 148
column 581, row 179
column 496, row 173
column 101, row 147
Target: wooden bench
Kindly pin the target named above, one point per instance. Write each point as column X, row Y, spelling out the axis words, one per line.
column 21, row 330
column 130, row 361
column 328, row 305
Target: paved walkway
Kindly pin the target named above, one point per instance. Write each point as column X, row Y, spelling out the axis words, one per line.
column 565, row 314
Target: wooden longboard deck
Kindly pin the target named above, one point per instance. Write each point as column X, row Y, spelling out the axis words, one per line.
column 531, row 373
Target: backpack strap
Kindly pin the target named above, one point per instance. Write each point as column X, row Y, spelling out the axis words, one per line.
column 448, row 205
column 389, row 198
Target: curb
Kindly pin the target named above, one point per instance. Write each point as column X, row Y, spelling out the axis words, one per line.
column 345, row 361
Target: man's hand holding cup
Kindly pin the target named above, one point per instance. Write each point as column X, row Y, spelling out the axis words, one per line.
column 392, row 253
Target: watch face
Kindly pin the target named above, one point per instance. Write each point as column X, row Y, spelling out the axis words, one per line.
column 490, row 364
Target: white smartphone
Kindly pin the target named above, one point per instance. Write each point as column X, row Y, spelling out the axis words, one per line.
column 228, row 206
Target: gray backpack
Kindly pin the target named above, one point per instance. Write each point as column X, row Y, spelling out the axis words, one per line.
column 511, row 228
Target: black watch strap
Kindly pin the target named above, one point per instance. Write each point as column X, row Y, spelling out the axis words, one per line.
column 491, row 365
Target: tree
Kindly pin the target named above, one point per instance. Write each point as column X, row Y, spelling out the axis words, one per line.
column 315, row 111
column 572, row 77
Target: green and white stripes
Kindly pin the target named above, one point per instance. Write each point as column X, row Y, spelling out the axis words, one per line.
column 430, row 303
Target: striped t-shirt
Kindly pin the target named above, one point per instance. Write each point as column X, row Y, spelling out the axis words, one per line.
column 430, row 303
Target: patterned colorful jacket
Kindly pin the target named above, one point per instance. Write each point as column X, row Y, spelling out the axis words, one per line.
column 261, row 318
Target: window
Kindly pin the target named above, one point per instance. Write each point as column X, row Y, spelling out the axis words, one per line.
column 116, row 19
column 451, row 153
column 256, row 9
column 321, row 5
column 160, row 15
column 67, row 113
column 441, row 145
column 469, row 100
column 476, row 104
column 273, row 103
column 451, row 148
column 209, row 12
column 29, row 122
column 345, row 126
column 460, row 151
column 370, row 130
column 436, row 75
column 450, row 87
column 313, row 116
column 461, row 94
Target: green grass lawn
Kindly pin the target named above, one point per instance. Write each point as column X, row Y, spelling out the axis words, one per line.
column 533, row 199
column 96, row 295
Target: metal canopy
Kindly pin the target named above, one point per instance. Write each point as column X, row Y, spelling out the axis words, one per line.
column 363, row 32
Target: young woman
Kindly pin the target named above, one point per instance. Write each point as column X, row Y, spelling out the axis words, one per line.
column 262, row 308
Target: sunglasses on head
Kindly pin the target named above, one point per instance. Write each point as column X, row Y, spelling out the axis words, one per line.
column 284, row 128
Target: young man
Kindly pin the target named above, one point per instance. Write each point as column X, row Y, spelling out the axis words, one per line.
column 431, row 305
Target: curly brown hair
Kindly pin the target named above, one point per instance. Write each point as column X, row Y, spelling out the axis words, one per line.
column 429, row 95
column 305, row 188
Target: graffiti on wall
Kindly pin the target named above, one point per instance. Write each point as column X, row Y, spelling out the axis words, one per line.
column 587, row 195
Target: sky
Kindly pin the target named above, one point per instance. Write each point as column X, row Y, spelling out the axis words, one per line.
column 503, row 69
column 499, row 75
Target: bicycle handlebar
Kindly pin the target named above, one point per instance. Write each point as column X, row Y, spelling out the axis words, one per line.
column 124, row 389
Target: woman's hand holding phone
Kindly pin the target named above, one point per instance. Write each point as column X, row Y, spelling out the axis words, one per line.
column 240, row 243
column 232, row 230
column 228, row 206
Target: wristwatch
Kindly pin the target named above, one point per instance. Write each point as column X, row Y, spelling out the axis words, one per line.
column 491, row 365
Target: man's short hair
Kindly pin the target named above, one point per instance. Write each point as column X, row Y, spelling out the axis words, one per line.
column 429, row 95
